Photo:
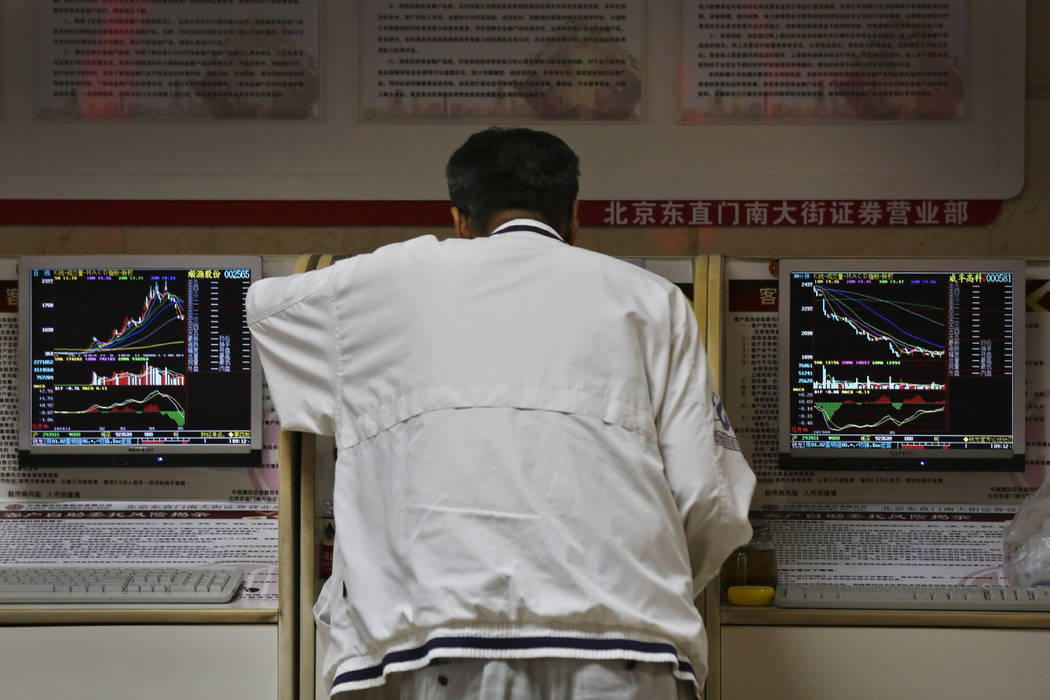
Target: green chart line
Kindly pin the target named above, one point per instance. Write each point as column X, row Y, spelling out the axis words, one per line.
column 829, row 408
column 176, row 414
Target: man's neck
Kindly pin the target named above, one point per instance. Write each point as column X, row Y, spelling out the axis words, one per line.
column 502, row 217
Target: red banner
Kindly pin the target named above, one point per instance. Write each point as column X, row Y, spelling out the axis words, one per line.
column 752, row 295
column 593, row 213
column 790, row 213
column 8, row 296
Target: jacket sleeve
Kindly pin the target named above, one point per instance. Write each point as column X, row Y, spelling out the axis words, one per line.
column 292, row 326
column 711, row 481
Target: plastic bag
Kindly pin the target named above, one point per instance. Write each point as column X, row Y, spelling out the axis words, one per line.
column 1026, row 541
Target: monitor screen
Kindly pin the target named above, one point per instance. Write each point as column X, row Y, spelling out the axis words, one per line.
column 902, row 364
column 137, row 360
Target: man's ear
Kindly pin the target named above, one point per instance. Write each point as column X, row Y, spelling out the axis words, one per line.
column 574, row 223
column 459, row 223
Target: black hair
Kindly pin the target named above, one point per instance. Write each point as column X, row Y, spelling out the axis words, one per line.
column 502, row 169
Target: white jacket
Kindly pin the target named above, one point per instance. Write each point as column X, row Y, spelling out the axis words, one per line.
column 532, row 460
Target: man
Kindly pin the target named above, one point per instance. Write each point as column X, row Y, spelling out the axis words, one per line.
column 535, row 477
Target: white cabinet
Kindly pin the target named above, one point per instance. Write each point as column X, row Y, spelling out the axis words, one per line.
column 869, row 663
column 133, row 662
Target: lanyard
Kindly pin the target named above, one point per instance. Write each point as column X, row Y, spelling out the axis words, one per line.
column 527, row 227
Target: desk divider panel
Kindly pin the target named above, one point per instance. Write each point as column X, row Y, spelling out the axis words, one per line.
column 919, row 527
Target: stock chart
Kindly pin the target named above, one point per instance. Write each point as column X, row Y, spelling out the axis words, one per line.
column 139, row 356
column 914, row 360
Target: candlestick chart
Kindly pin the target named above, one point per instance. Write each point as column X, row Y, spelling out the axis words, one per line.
column 881, row 349
column 132, row 375
column 159, row 324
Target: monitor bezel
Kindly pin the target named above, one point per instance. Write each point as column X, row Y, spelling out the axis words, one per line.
column 861, row 459
column 134, row 455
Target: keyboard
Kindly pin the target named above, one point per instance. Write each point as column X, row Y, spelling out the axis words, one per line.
column 119, row 584
column 913, row 597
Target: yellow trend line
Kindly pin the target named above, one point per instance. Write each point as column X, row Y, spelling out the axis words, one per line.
column 78, row 351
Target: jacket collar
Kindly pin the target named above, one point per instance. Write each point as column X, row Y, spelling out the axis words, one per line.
column 527, row 225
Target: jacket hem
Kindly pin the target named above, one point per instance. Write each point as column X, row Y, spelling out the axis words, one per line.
column 358, row 674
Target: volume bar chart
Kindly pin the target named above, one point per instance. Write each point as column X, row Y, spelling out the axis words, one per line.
column 149, row 376
column 829, row 383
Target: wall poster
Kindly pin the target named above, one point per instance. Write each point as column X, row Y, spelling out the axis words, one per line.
column 470, row 60
column 179, row 59
column 876, row 60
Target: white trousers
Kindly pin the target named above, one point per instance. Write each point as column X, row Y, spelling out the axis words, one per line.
column 531, row 679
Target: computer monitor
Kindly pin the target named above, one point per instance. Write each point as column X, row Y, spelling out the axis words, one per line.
column 901, row 364
column 136, row 361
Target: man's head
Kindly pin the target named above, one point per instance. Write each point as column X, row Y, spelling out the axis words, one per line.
column 502, row 174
